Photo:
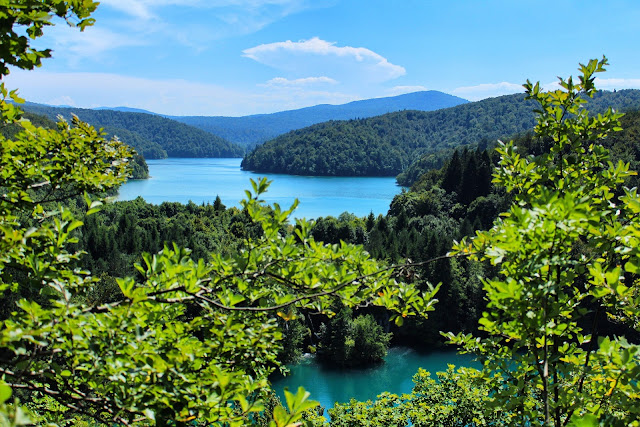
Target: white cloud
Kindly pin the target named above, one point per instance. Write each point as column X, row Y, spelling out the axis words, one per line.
column 221, row 18
column 611, row 84
column 93, row 42
column 487, row 90
column 327, row 57
column 167, row 96
column 307, row 81
column 400, row 90
column 136, row 8
column 147, row 9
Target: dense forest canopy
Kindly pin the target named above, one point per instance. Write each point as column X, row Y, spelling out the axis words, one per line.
column 249, row 131
column 184, row 339
column 138, row 165
column 152, row 136
column 190, row 337
column 387, row 145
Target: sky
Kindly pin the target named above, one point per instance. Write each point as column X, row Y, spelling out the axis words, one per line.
column 242, row 57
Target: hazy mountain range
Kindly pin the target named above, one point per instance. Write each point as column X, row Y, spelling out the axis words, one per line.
column 251, row 130
column 138, row 125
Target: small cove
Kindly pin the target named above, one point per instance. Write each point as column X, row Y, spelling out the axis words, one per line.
column 328, row 385
column 201, row 180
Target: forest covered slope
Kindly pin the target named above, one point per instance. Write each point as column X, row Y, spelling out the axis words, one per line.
column 152, row 136
column 386, row 145
column 251, row 130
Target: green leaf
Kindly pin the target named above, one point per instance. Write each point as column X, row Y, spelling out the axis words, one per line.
column 588, row 420
column 5, row 393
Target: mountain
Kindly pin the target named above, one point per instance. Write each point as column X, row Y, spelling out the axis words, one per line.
column 255, row 129
column 128, row 110
column 386, row 145
column 152, row 136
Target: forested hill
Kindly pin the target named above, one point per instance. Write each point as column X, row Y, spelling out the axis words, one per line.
column 386, row 145
column 139, row 167
column 251, row 130
column 152, row 136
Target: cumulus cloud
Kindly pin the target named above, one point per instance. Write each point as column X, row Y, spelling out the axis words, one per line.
column 307, row 81
column 317, row 54
column 486, row 90
column 165, row 96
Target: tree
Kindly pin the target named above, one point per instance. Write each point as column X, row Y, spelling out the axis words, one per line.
column 190, row 340
column 33, row 17
column 455, row 398
column 567, row 257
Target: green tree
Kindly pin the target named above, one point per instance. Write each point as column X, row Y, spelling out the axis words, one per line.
column 348, row 341
column 567, row 256
column 455, row 398
column 187, row 340
column 370, row 342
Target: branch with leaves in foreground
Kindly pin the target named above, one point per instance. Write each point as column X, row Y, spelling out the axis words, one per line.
column 193, row 340
column 567, row 251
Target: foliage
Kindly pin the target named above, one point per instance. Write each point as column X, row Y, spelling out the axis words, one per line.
column 139, row 167
column 567, row 254
column 194, row 339
column 294, row 333
column 384, row 411
column 456, row 398
column 187, row 340
column 115, row 238
column 153, row 136
column 386, row 145
column 349, row 342
column 31, row 18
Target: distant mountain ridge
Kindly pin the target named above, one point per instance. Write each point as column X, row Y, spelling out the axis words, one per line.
column 251, row 130
column 128, row 110
column 388, row 144
column 153, row 136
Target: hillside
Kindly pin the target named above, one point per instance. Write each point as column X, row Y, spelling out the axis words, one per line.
column 255, row 129
column 386, row 145
column 151, row 135
column 139, row 168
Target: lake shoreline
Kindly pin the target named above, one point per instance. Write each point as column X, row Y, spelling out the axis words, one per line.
column 200, row 180
column 329, row 385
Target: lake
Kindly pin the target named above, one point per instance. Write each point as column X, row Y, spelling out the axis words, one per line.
column 201, row 180
column 339, row 385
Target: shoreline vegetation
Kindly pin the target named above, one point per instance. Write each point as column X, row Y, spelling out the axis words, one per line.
column 525, row 255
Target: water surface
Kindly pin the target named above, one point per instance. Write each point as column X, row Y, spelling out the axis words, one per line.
column 341, row 385
column 201, row 180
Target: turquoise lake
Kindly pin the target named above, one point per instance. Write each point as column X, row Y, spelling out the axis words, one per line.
column 201, row 180
column 336, row 385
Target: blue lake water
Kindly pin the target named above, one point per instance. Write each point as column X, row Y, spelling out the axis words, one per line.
column 328, row 386
column 201, row 180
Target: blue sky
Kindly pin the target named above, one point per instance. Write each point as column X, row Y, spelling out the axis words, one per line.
column 239, row 57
